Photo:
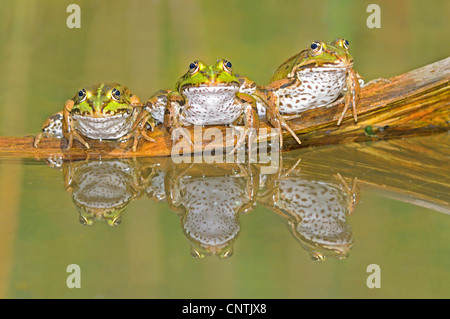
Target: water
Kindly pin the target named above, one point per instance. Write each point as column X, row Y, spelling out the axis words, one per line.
column 400, row 218
column 402, row 229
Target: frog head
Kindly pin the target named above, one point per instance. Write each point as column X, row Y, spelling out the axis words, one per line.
column 325, row 55
column 222, row 252
column 320, row 55
column 89, row 215
column 103, row 100
column 321, row 242
column 202, row 79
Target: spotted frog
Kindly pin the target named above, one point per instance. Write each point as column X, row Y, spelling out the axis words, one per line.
column 106, row 111
column 209, row 202
column 210, row 95
column 314, row 210
column 102, row 190
column 315, row 77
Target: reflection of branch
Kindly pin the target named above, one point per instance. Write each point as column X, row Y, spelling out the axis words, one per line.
column 414, row 170
column 414, row 103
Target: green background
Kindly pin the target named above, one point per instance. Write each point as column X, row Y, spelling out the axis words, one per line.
column 148, row 45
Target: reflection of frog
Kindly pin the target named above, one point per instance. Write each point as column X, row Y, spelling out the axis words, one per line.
column 209, row 205
column 315, row 210
column 102, row 190
column 155, row 188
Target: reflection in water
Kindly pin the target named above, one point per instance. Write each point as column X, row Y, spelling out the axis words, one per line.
column 315, row 210
column 314, row 191
column 209, row 205
column 102, row 190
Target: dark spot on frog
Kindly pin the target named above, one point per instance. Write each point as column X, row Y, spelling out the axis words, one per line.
column 287, row 84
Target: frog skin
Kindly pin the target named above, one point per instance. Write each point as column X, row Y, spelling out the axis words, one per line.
column 316, row 77
column 106, row 111
column 155, row 189
column 314, row 210
column 209, row 203
column 211, row 95
column 102, row 190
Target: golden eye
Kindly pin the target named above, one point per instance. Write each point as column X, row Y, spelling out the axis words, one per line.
column 342, row 43
column 315, row 48
column 115, row 94
column 82, row 95
column 227, row 66
column 193, row 67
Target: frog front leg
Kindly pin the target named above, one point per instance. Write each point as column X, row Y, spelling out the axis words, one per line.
column 69, row 131
column 172, row 116
column 172, row 187
column 142, row 117
column 270, row 99
column 353, row 192
column 351, row 95
column 251, row 121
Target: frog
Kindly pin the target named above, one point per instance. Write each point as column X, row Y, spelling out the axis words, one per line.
column 209, row 200
column 316, row 77
column 211, row 95
column 105, row 111
column 102, row 190
column 314, row 209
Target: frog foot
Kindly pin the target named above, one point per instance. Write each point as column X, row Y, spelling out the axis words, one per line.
column 351, row 96
column 351, row 191
column 70, row 136
column 280, row 123
column 349, row 99
column 136, row 135
column 274, row 117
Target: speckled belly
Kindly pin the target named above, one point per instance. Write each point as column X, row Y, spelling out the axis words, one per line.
column 211, row 106
column 319, row 87
column 321, row 207
column 212, row 203
column 102, row 186
column 110, row 127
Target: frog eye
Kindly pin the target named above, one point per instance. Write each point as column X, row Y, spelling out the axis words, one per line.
column 193, row 67
column 346, row 44
column 81, row 95
column 316, row 48
column 115, row 94
column 227, row 66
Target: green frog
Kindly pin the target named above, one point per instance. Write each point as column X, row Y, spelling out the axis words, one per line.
column 210, row 95
column 209, row 200
column 315, row 210
column 316, row 77
column 106, row 111
column 103, row 189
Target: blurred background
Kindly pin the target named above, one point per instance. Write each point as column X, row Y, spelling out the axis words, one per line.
column 148, row 45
